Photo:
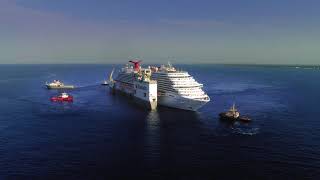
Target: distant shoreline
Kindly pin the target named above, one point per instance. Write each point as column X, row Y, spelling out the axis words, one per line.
column 224, row 64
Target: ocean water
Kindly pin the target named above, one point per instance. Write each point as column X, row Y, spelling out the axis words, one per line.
column 102, row 136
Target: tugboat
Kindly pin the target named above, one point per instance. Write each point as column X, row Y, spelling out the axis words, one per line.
column 62, row 97
column 56, row 84
column 233, row 115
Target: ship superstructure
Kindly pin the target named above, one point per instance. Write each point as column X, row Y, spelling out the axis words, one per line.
column 178, row 89
column 136, row 82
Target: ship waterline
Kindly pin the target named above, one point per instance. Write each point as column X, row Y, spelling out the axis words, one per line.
column 178, row 89
column 180, row 102
column 136, row 82
column 130, row 91
column 162, row 85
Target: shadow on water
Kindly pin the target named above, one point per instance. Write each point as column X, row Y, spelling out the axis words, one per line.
column 239, row 127
column 166, row 119
column 100, row 135
column 169, row 134
column 153, row 120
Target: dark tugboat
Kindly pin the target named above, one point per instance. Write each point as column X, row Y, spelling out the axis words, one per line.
column 233, row 115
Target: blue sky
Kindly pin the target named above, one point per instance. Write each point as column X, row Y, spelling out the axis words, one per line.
column 184, row 31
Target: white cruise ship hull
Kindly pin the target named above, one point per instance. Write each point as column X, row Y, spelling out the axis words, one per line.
column 148, row 101
column 180, row 102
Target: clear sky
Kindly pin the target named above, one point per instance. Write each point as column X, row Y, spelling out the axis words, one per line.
column 183, row 31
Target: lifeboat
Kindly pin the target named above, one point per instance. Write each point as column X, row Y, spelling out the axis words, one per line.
column 63, row 97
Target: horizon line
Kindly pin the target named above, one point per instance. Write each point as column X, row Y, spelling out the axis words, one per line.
column 246, row 64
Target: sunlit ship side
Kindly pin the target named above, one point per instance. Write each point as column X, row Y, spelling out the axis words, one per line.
column 178, row 89
column 135, row 82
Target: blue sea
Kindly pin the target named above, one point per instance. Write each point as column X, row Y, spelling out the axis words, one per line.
column 106, row 136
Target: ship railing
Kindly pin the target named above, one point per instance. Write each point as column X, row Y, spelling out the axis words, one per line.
column 184, row 86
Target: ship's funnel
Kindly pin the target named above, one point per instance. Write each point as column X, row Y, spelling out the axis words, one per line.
column 136, row 64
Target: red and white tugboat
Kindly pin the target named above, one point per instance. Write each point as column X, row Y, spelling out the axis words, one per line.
column 62, row 97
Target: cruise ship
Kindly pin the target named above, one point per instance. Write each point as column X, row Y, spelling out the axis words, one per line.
column 178, row 89
column 136, row 82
